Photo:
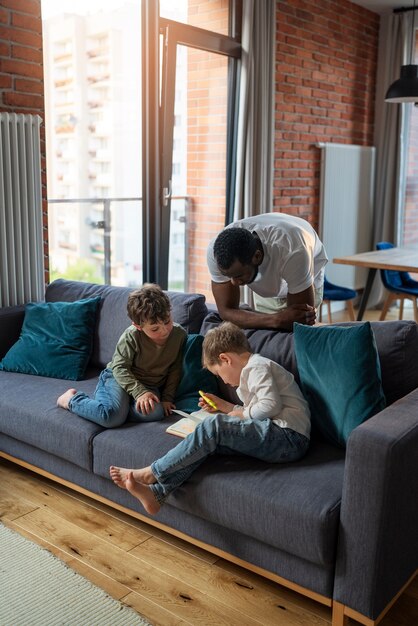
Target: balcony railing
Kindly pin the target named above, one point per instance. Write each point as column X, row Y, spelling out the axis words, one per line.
column 113, row 226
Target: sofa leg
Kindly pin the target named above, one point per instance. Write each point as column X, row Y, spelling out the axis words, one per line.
column 338, row 617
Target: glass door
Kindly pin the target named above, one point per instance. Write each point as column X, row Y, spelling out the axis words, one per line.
column 196, row 124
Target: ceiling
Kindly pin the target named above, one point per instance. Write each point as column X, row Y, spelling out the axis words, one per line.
column 383, row 6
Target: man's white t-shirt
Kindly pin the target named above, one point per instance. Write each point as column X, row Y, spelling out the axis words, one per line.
column 268, row 391
column 294, row 256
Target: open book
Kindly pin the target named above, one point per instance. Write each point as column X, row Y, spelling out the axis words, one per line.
column 187, row 423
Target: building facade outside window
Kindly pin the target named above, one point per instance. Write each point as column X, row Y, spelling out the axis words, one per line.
column 93, row 82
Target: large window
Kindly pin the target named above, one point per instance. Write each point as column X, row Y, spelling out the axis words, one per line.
column 92, row 61
column 140, row 136
column 409, row 221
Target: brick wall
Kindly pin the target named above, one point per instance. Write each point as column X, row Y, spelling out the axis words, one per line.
column 326, row 55
column 21, row 72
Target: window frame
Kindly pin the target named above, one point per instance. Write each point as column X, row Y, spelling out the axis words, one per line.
column 158, row 122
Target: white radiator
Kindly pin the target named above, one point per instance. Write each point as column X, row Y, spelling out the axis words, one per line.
column 346, row 208
column 21, row 242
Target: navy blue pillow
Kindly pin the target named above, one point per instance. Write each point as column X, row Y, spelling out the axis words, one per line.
column 194, row 376
column 56, row 339
column 339, row 372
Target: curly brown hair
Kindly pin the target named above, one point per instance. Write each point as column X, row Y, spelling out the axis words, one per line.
column 149, row 304
column 224, row 338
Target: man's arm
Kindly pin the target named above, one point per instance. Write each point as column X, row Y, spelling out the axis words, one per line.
column 303, row 297
column 300, row 309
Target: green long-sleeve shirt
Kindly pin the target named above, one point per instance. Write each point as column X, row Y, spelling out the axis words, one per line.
column 138, row 363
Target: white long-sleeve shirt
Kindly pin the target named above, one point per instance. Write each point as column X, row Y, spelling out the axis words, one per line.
column 268, row 391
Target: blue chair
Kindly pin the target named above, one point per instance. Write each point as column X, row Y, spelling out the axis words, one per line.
column 400, row 286
column 335, row 293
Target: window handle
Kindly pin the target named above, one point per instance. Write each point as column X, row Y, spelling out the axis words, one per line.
column 167, row 192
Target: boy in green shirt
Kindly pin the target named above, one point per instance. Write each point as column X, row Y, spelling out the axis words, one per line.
column 141, row 379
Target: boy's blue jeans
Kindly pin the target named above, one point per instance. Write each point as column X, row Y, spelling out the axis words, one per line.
column 225, row 434
column 111, row 405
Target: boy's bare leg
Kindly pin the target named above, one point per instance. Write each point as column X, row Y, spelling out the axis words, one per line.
column 65, row 398
column 140, row 491
column 143, row 475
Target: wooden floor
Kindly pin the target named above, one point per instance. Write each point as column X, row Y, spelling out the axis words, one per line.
column 166, row 580
column 370, row 314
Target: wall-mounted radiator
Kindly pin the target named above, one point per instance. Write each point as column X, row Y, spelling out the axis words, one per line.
column 346, row 208
column 21, row 242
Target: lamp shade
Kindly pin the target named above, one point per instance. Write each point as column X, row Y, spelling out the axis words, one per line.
column 405, row 89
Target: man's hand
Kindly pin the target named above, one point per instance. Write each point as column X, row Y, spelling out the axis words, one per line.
column 301, row 313
column 146, row 403
column 299, row 309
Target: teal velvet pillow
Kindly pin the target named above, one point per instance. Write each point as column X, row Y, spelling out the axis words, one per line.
column 194, row 376
column 56, row 339
column 340, row 377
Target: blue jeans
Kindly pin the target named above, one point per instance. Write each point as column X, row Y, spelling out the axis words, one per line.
column 226, row 435
column 111, row 405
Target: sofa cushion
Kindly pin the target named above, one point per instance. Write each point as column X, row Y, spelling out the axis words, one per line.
column 397, row 345
column 300, row 501
column 340, row 377
column 28, row 413
column 188, row 310
column 56, row 339
column 194, row 376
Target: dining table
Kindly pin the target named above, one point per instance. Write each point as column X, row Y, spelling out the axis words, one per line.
column 402, row 259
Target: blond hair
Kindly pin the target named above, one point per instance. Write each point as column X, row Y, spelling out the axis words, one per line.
column 224, row 338
column 149, row 304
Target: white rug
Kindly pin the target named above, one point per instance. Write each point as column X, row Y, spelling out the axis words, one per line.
column 37, row 589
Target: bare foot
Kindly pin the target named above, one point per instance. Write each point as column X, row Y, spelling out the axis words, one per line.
column 65, row 398
column 143, row 475
column 143, row 493
column 124, row 479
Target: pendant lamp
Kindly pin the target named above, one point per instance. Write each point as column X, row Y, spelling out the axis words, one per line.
column 405, row 89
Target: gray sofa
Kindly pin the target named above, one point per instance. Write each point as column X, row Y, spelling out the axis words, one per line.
column 339, row 526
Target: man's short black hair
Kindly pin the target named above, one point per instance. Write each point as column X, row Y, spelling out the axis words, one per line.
column 234, row 244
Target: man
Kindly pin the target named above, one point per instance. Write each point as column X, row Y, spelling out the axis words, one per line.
column 281, row 258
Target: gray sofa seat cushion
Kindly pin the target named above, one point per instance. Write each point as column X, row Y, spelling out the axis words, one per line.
column 28, row 413
column 188, row 310
column 299, row 501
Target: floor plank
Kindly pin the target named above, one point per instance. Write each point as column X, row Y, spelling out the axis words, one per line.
column 29, row 491
column 233, row 589
column 108, row 584
column 180, row 597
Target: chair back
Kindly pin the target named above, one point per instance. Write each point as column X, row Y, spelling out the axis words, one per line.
column 391, row 279
column 336, row 292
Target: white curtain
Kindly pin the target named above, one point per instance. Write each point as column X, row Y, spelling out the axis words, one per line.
column 391, row 132
column 391, row 126
column 254, row 177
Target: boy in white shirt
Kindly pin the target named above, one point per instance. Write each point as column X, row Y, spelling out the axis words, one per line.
column 272, row 425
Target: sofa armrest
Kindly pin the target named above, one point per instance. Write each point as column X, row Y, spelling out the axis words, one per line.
column 11, row 320
column 378, row 538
